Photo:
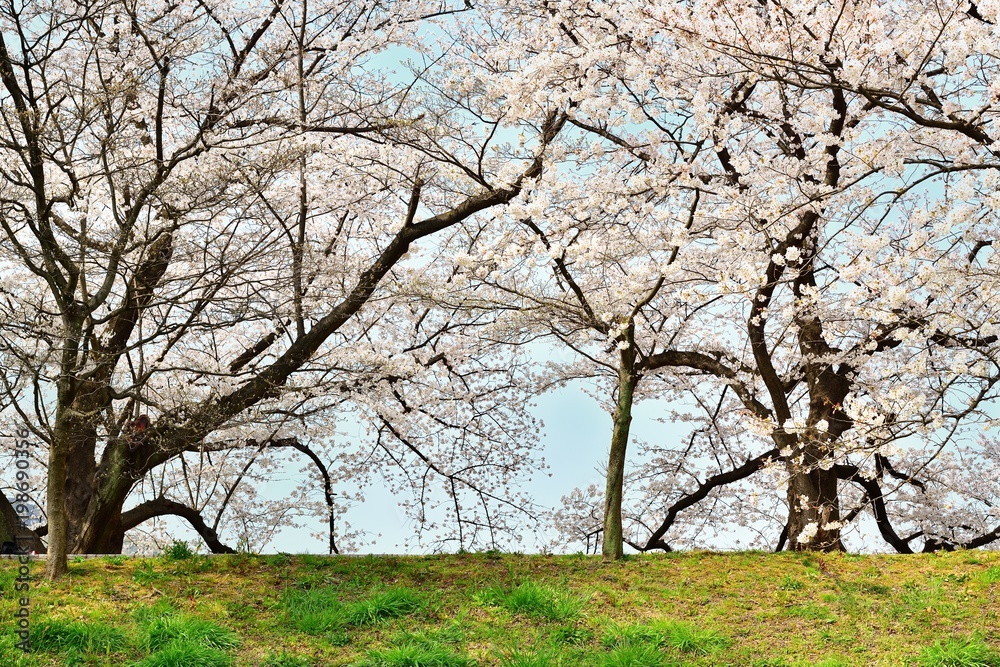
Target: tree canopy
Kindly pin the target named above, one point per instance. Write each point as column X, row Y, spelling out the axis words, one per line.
column 228, row 227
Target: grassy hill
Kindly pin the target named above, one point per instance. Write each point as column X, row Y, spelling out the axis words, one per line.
column 497, row 610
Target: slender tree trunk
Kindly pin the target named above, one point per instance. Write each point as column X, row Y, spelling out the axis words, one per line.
column 55, row 563
column 613, row 548
column 813, row 506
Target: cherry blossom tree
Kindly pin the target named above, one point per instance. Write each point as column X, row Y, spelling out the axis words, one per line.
column 931, row 78
column 847, row 338
column 227, row 229
column 200, row 204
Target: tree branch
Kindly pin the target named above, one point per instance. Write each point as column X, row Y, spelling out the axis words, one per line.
column 163, row 506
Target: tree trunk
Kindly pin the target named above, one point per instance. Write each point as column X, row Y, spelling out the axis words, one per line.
column 72, row 498
column 613, row 547
column 813, row 506
column 108, row 539
column 101, row 529
column 80, row 483
column 55, row 563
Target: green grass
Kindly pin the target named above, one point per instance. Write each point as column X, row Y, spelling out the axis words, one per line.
column 543, row 658
column 791, row 584
column 191, row 630
column 278, row 560
column 416, row 655
column 313, row 611
column 316, row 611
column 178, row 550
column 683, row 637
column 967, row 652
column 570, row 634
column 391, row 603
column 147, row 573
column 694, row 609
column 452, row 632
column 621, row 635
column 186, row 654
column 637, row 655
column 285, row 659
column 810, row 612
column 689, row 639
column 146, row 614
column 535, row 600
column 79, row 637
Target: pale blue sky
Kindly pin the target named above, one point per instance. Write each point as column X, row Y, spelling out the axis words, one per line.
column 574, row 444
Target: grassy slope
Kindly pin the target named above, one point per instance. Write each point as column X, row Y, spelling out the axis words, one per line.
column 450, row 611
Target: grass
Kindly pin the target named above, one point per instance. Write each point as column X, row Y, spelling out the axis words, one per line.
column 694, row 609
column 954, row 652
column 316, row 611
column 147, row 573
column 416, row 655
column 637, row 655
column 285, row 659
column 534, row 600
column 543, row 658
column 313, row 611
column 570, row 634
column 683, row 637
column 185, row 654
column 78, row 637
column 687, row 638
column 168, row 630
column 620, row 636
column 391, row 603
column 178, row 550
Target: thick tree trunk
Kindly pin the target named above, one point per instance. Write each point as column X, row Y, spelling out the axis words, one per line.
column 70, row 485
column 101, row 529
column 91, row 503
column 109, row 539
column 84, row 505
column 80, row 483
column 94, row 497
column 77, row 438
column 813, row 506
column 613, row 546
